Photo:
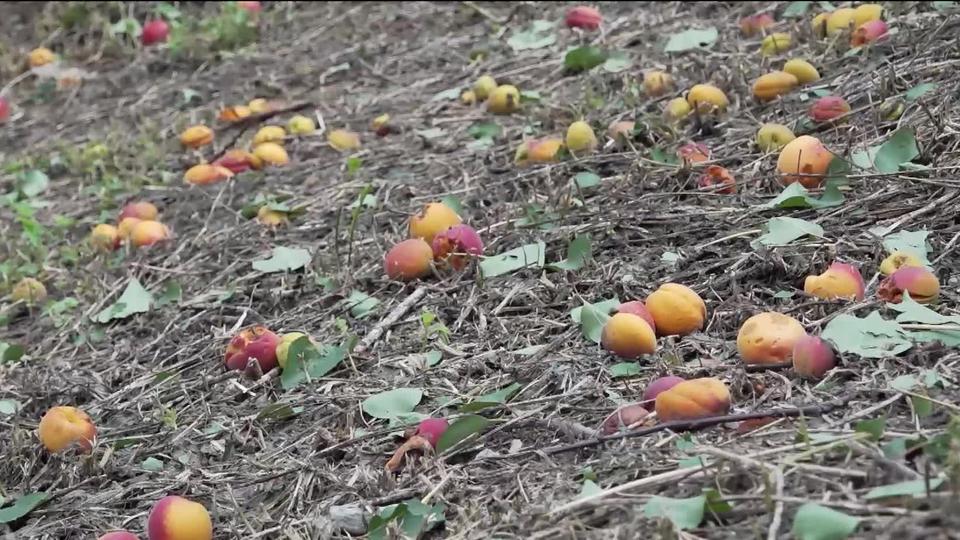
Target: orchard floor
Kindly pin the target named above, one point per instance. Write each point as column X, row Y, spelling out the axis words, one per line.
column 272, row 463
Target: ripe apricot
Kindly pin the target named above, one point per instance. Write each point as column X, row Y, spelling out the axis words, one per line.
column 484, row 86
column 773, row 85
column 677, row 109
column 897, row 260
column 126, row 227
column 205, row 174
column 40, row 56
column 140, row 209
column 504, row 99
column 301, row 125
column 813, row 357
column 343, row 140
column 623, row 418
column 408, row 260
column 468, row 98
column 271, row 153
column 105, row 237
column 840, row 20
column 628, row 335
column 63, row 427
column 865, row 13
column 637, row 308
column 677, row 310
column 819, row 25
column 273, row 134
column 456, row 246
column 768, row 338
column 433, row 219
column 828, row 108
column 922, row 284
column 775, row 43
column 270, row 218
column 802, row 70
column 196, row 136
column 580, row 137
column 719, row 180
column 237, row 161
column 29, row 291
column 538, row 151
column 176, row 518
column 661, row 385
column 696, row 398
column 657, row 83
column 148, row 232
column 773, row 137
column 253, row 342
column 234, row 114
column 839, row 281
column 706, row 98
column 804, row 160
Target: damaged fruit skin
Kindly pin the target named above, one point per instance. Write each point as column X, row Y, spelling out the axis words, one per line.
column 408, row 260
column 432, row 220
column 584, row 17
column 660, row 386
column 693, row 153
column 621, row 131
column 840, row 280
column 696, row 398
column 813, row 357
column 63, row 427
column 628, row 336
column 657, row 83
column 581, row 138
column 897, row 260
column 804, row 160
column 456, row 246
column 677, row 310
column 637, row 308
column 869, row 32
column 432, row 429
column 768, row 338
column 719, row 180
column 773, row 85
column 254, row 342
column 829, row 108
column 922, row 285
column 623, row 418
column 504, row 99
column 706, row 98
column 754, row 24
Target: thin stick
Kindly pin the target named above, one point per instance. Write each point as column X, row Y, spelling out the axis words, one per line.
column 391, row 318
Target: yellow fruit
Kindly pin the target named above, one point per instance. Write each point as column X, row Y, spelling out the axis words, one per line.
column 707, row 97
column 677, row 109
column 773, row 85
column 41, row 57
column 380, row 122
column 865, row 13
column 105, row 237
column 259, row 106
column 29, row 291
column 269, row 134
column 484, row 86
column 656, row 83
column 802, row 70
column 270, row 218
column 504, row 99
column 840, row 20
column 897, row 260
column 773, row 137
column 301, row 125
column 271, row 153
column 819, row 25
column 196, row 136
column 580, row 137
column 343, row 140
column 468, row 98
column 538, row 151
column 775, row 43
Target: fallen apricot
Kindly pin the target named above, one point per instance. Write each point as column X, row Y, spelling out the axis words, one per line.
column 484, row 86
column 259, row 106
column 621, row 131
column 253, row 342
column 840, row 20
column 584, row 17
column 677, row 310
column 897, row 260
column 623, row 418
column 63, row 427
column 153, row 32
column 139, row 209
column 271, row 153
column 237, row 161
column 804, row 160
column 661, row 385
column 773, row 137
column 456, row 246
column 719, row 180
column 839, row 281
column 234, row 114
column 819, row 25
column 657, row 83
column 29, row 291
column 828, row 108
column 176, row 518
column 381, row 125
column 148, row 232
column 343, row 140
column 283, row 348
column 768, row 338
column 696, row 398
column 775, row 43
column 628, row 335
column 105, row 237
column 869, row 32
column 754, row 24
column 580, row 137
column 922, row 284
column 206, row 173
column 271, row 218
column 40, row 56
column 802, row 70
column 432, row 429
column 637, row 308
column 119, row 535
column 408, row 260
column 706, row 98
column 504, row 99
column 773, row 85
column 693, row 153
column 432, row 220
column 273, row 134
column 126, row 227
column 301, row 125
column 865, row 13
column 196, row 136
column 813, row 357
column 468, row 98
column 538, row 151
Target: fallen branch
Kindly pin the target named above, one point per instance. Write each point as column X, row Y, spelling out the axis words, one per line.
column 252, row 120
column 390, row 319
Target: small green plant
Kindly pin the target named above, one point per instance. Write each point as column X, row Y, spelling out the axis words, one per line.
column 433, row 327
column 231, row 29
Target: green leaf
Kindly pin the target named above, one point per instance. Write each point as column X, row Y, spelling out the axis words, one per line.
column 691, row 39
column 872, row 337
column 284, row 259
column 279, row 411
column 662, row 156
column 901, row 147
column 683, row 513
column 353, row 164
column 617, row 61
column 589, row 488
column 32, row 183
column 453, row 203
column 716, row 503
column 922, row 406
column 21, row 507
column 188, row 95
column 578, row 253
column 446, row 95
column 815, row 522
column 305, row 361
column 392, row 403
column 537, row 36
column 367, row 200
column 625, row 369
column 914, row 242
column 584, row 58
column 904, row 383
column 485, row 130
column 797, row 196
column 873, row 427
column 9, row 407
column 135, row 299
column 592, row 322
column 586, row 180
column 796, row 9
column 530, row 95
column 489, row 400
column 360, row 303
column 912, row 312
column 152, row 464
column 943, row 5
column 864, row 159
column 919, row 90
column 783, row 230
column 433, row 358
column 604, row 306
column 10, row 352
column 171, row 293
column 459, row 430
column 670, row 257
column 530, row 255
column 914, row 488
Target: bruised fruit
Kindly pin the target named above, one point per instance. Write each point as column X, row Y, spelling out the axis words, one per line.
column 580, row 137
column 865, row 13
column 140, row 209
column 897, row 260
column 719, row 180
column 40, row 56
column 408, row 260
column 584, row 17
column 628, row 336
column 468, row 98
column 269, row 134
column 869, row 32
column 432, row 220
column 538, row 151
column 693, row 153
column 802, row 70
column 504, row 99
column 270, row 218
column 432, row 429
column 29, row 291
column 768, row 338
column 148, row 232
column 176, row 518
column 206, row 173
column 839, row 281
column 301, row 125
column 828, row 108
column 637, row 308
column 105, row 237
column 754, row 24
column 773, row 137
column 773, row 85
column 677, row 109
column 237, row 161
column 119, row 535
column 922, row 284
column 775, row 43
column 696, row 398
column 484, row 86
column 271, row 153
column 840, row 20
column 658, row 386
column 381, row 125
column 804, row 160
column 155, row 31
column 343, row 140
column 621, row 131
column 456, row 245
column 657, row 83
column 63, row 427
column 283, row 348
column 254, row 342
column 196, row 136
column 813, row 357
column 623, row 418
column 707, row 98
column 677, row 310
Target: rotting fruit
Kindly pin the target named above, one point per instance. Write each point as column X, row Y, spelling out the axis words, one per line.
column 804, row 160
column 504, row 99
column 802, row 70
column 897, row 260
column 584, row 17
column 381, row 125
column 196, row 136
column 813, row 357
column 696, row 398
column 580, row 137
column 869, row 32
column 768, row 338
column 343, row 140
column 64, row 427
column 432, row 429
column 754, row 24
column 773, row 85
column 256, row 342
column 840, row 280
column 483, row 86
column 238, row 161
column 660, row 385
column 657, row 83
column 456, row 246
column 621, row 131
column 773, row 137
column 828, row 108
column 719, row 180
column 693, row 153
column 624, row 417
column 29, row 291
column 707, row 98
column 176, row 518
column 433, row 219
column 637, row 308
column 677, row 309
column 775, row 43
column 408, row 260
column 628, row 336
column 922, row 285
